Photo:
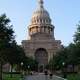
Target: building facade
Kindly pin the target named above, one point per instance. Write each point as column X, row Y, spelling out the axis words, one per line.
column 42, row 44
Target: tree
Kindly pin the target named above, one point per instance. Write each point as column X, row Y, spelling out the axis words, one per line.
column 77, row 34
column 74, row 49
column 69, row 54
column 15, row 54
column 29, row 63
column 77, row 43
column 9, row 50
column 59, row 58
column 6, row 37
column 6, row 34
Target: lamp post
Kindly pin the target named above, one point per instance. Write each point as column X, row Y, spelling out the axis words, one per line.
column 28, row 68
column 63, row 63
column 63, row 70
column 22, row 68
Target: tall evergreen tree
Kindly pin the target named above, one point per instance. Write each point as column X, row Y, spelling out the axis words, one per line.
column 77, row 43
column 6, row 37
column 9, row 50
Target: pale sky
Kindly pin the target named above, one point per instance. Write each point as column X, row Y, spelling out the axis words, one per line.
column 65, row 14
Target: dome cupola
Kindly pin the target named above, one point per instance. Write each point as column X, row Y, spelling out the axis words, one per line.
column 40, row 15
column 40, row 21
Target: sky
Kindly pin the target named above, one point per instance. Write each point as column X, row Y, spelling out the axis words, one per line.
column 65, row 15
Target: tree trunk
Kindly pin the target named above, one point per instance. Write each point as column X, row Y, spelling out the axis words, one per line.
column 73, row 68
column 11, row 70
column 0, row 70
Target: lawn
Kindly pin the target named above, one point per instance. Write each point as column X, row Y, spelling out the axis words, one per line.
column 14, row 77
column 8, row 78
column 73, row 77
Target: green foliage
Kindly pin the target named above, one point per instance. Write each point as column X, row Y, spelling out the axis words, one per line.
column 8, row 77
column 59, row 58
column 29, row 63
column 73, row 77
column 77, row 44
column 9, row 50
column 77, row 34
column 6, row 35
column 70, row 55
column 15, row 54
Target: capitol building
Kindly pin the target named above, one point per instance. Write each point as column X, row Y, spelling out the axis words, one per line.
column 42, row 44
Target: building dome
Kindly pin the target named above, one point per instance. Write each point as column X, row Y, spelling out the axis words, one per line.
column 40, row 21
column 40, row 15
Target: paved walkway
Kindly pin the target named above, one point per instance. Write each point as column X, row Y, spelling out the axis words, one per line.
column 43, row 77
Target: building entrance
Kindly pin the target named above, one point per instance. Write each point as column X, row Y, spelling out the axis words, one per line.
column 41, row 57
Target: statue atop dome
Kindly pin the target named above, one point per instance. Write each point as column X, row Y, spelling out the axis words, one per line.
column 40, row 3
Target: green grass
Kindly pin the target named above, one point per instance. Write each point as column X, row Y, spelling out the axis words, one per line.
column 73, row 77
column 14, row 77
